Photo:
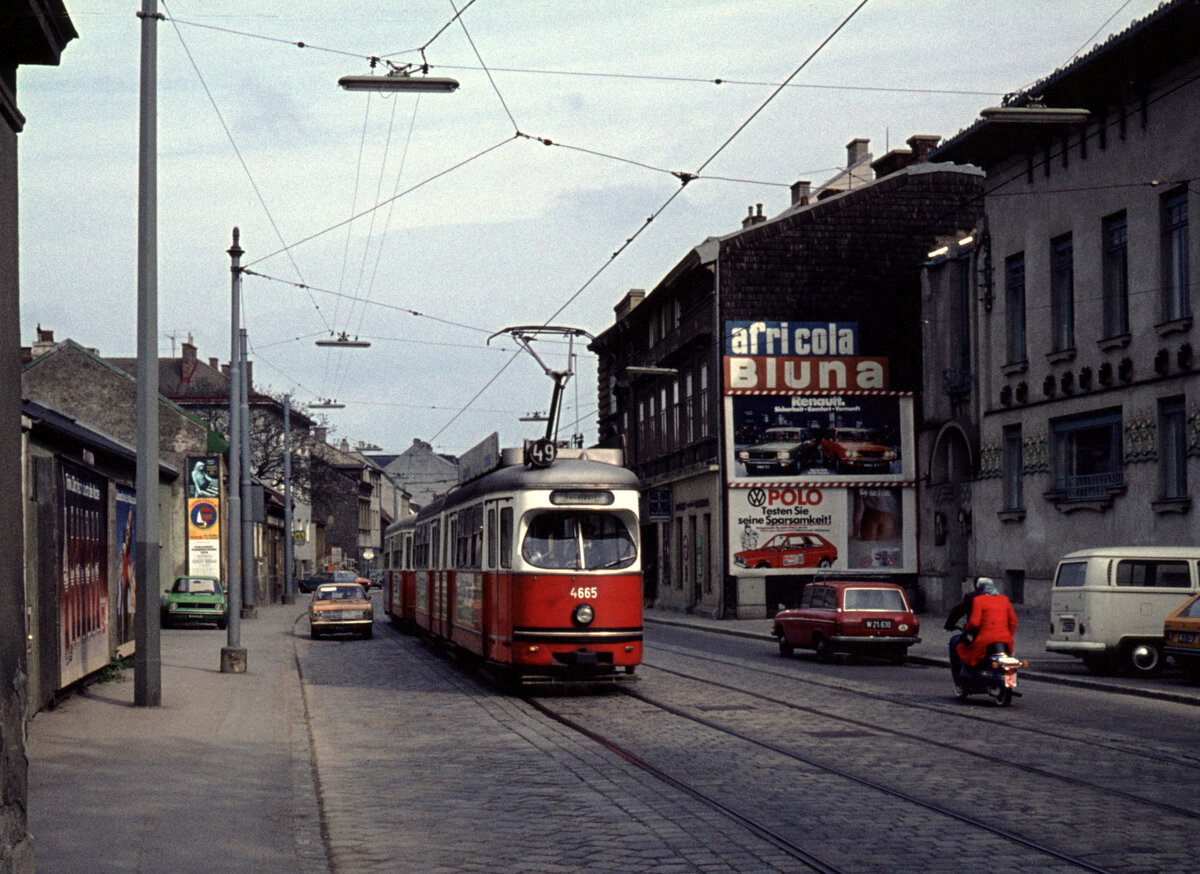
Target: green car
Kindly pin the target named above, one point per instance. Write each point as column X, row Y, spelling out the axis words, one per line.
column 195, row 599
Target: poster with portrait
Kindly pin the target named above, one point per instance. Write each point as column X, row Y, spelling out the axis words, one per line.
column 125, row 544
column 83, row 573
column 809, row 528
column 844, row 437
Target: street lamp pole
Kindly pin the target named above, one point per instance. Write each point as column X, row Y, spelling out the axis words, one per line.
column 248, row 611
column 289, row 592
column 233, row 654
column 147, row 661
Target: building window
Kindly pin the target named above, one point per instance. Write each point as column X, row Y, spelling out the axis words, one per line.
column 1176, row 291
column 1014, row 465
column 664, row 435
column 689, row 412
column 1172, row 454
column 1087, row 455
column 1062, row 294
column 1014, row 290
column 1116, row 276
column 704, row 431
column 676, row 411
column 963, row 322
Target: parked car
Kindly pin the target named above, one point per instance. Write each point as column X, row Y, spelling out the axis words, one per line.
column 856, row 450
column 1108, row 604
column 859, row 617
column 340, row 607
column 195, row 600
column 1181, row 636
column 310, row 583
column 782, row 450
column 795, row 550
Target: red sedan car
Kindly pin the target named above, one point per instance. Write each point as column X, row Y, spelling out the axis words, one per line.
column 789, row 551
column 856, row 617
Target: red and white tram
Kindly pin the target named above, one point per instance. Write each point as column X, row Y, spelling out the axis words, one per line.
column 534, row 570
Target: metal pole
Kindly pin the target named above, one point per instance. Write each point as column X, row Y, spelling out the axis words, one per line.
column 289, row 591
column 248, row 611
column 233, row 655
column 147, row 663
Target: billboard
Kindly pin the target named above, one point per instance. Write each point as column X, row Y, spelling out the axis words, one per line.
column 83, row 574
column 125, row 544
column 777, row 530
column 847, row 437
column 204, row 516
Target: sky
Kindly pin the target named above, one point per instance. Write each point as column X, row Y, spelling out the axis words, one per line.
column 425, row 224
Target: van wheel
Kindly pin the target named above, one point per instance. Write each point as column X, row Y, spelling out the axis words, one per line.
column 1144, row 659
column 786, row 649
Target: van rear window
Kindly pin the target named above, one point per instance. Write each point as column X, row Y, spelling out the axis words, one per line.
column 1071, row 574
column 1156, row 574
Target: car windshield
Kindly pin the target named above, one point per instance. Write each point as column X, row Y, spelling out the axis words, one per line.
column 875, row 599
column 787, row 436
column 853, row 435
column 1191, row 611
column 339, row 593
column 344, row 576
column 195, row 586
column 556, row 541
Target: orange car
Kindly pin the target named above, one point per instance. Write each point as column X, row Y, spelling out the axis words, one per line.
column 1181, row 636
column 856, row 450
column 340, row 607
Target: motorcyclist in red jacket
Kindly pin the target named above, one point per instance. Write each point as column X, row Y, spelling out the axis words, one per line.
column 992, row 620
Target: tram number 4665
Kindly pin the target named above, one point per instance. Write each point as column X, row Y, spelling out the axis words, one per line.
column 584, row 592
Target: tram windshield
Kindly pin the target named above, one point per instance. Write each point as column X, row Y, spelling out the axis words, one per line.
column 557, row 540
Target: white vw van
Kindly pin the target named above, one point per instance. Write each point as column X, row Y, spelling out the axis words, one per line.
column 1108, row 605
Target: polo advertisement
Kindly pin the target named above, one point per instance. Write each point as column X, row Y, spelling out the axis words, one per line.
column 779, row 530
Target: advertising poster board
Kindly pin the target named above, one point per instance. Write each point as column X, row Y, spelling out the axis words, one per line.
column 125, row 528
column 204, row 516
column 777, row 530
column 83, row 581
column 844, row 437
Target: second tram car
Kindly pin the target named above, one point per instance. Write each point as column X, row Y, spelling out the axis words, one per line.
column 533, row 570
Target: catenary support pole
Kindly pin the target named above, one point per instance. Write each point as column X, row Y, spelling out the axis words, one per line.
column 147, row 661
column 248, row 600
column 233, row 654
column 289, row 589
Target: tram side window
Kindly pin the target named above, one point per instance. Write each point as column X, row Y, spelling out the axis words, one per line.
column 492, row 541
column 506, row 537
column 558, row 540
column 473, row 531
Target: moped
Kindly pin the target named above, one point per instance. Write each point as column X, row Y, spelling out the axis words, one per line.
column 995, row 675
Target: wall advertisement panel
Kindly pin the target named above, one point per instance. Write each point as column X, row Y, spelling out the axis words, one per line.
column 125, row 529
column 83, row 581
column 204, row 516
column 787, row 529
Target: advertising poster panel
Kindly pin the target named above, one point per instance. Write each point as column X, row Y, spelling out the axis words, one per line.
column 125, row 527
column 204, row 516
column 851, row 437
column 83, row 584
column 784, row 529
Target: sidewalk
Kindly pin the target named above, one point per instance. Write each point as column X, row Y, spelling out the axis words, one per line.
column 216, row 778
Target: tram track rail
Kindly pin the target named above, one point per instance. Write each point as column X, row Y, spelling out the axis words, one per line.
column 992, row 720
column 776, row 838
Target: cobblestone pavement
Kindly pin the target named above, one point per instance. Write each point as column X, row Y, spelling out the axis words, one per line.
column 422, row 767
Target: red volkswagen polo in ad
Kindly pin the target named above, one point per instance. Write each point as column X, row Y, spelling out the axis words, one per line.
column 790, row 551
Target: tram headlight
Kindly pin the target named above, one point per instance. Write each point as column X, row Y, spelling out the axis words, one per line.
column 583, row 615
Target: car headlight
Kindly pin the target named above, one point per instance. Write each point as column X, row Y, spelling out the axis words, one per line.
column 783, row 456
column 743, row 454
column 583, row 615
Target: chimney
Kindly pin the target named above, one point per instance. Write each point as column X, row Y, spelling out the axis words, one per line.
column 856, row 150
column 634, row 297
column 922, row 145
column 344, row 446
column 187, row 364
column 44, row 342
column 319, row 433
column 754, row 219
column 214, row 363
column 800, row 192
